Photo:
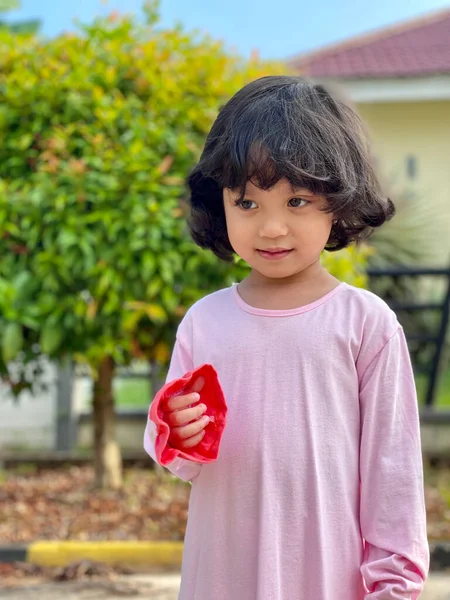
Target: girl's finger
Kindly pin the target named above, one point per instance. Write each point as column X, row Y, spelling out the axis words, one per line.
column 180, row 402
column 186, row 431
column 185, row 416
column 193, row 441
column 198, row 385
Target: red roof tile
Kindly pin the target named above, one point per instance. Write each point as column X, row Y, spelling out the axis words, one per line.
column 412, row 49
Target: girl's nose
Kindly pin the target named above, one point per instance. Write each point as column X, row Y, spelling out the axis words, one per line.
column 273, row 228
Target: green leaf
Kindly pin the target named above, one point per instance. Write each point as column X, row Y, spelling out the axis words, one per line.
column 170, row 299
column 24, row 283
column 154, row 287
column 105, row 282
column 148, row 264
column 25, row 141
column 131, row 320
column 67, row 239
column 12, row 341
column 155, row 312
column 51, row 338
column 31, row 322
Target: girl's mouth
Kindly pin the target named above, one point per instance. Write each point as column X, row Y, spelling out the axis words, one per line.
column 274, row 253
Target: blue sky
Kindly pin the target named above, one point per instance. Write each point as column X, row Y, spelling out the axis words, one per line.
column 277, row 28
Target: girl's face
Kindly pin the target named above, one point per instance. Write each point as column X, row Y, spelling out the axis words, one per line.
column 279, row 232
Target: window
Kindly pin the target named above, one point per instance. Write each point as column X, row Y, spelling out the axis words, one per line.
column 411, row 166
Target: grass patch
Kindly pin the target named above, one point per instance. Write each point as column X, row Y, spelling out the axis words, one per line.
column 137, row 393
column 442, row 400
column 132, row 392
column 25, row 469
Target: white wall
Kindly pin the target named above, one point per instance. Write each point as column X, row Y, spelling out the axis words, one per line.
column 30, row 421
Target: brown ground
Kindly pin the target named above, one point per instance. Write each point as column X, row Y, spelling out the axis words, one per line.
column 60, row 504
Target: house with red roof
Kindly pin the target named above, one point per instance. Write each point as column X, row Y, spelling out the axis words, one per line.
column 399, row 79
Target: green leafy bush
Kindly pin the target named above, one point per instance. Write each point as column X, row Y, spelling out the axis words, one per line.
column 99, row 130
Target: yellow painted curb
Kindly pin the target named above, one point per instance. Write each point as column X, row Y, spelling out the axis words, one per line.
column 59, row 554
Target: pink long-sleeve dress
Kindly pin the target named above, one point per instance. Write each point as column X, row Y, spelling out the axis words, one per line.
column 317, row 493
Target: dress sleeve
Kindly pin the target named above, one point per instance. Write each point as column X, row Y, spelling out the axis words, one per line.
column 392, row 512
column 181, row 363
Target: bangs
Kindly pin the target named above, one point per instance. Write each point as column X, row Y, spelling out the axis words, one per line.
column 268, row 142
column 261, row 167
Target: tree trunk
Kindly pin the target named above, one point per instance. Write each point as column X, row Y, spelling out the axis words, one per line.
column 107, row 458
column 155, row 378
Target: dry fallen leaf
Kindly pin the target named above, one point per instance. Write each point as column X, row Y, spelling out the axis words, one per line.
column 59, row 504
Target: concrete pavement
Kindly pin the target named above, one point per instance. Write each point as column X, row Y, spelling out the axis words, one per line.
column 155, row 587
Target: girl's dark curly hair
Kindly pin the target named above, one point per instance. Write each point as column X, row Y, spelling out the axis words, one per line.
column 286, row 127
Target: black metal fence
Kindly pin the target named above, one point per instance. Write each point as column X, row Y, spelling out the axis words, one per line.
column 433, row 340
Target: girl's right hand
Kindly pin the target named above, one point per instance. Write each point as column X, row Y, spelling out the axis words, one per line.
column 186, row 421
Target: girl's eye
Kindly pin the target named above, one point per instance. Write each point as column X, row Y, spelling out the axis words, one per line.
column 246, row 204
column 297, row 202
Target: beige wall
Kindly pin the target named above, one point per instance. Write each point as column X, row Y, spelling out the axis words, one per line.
column 420, row 130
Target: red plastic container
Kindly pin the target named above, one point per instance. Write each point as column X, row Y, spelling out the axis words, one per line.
column 212, row 395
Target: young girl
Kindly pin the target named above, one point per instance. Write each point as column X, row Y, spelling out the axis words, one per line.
column 317, row 491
